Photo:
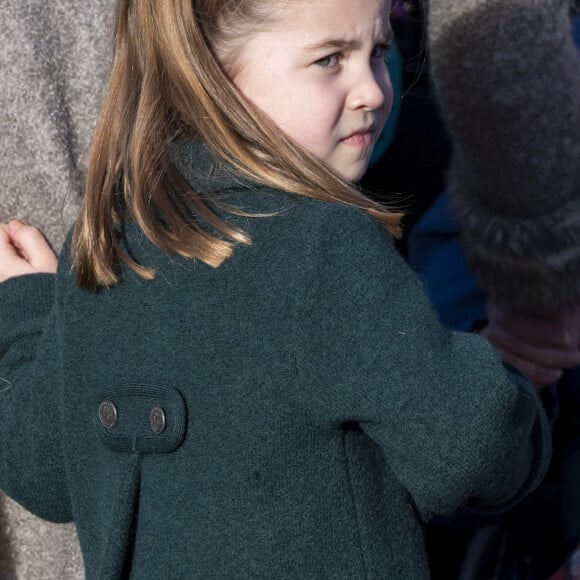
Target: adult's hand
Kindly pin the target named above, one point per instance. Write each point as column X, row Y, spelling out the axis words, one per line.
column 24, row 250
column 539, row 347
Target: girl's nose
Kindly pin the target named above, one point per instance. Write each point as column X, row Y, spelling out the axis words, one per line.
column 372, row 90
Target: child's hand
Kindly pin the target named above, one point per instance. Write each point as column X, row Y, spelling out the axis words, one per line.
column 538, row 347
column 24, row 250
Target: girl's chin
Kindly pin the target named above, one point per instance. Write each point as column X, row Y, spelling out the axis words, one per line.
column 354, row 174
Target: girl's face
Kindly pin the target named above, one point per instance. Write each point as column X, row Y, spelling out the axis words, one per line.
column 319, row 73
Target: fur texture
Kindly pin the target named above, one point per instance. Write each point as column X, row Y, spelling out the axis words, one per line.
column 507, row 76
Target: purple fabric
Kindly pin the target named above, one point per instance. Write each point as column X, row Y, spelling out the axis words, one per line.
column 399, row 10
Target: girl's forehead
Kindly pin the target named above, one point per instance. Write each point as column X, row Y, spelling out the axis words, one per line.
column 323, row 14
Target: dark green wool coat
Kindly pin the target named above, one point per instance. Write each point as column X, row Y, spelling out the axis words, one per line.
column 289, row 415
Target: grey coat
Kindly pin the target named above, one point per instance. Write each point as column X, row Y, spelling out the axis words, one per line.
column 54, row 58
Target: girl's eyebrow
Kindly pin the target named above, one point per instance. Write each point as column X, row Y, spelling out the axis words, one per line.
column 343, row 44
column 333, row 45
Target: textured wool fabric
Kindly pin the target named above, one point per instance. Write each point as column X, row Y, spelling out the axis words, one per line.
column 507, row 76
column 54, row 58
column 286, row 415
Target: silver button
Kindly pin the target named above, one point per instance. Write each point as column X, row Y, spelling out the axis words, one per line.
column 108, row 415
column 157, row 419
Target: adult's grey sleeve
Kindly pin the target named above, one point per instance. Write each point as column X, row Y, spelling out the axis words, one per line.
column 54, row 61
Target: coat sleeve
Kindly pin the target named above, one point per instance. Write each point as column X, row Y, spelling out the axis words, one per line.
column 31, row 462
column 507, row 79
column 455, row 427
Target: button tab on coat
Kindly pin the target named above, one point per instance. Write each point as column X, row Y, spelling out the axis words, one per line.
column 108, row 415
column 146, row 418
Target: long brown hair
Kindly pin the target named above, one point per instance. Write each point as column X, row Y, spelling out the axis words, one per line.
column 167, row 84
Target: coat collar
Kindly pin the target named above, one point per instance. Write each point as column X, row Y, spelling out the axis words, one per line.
column 204, row 171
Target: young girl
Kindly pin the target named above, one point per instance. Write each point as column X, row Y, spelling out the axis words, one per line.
column 233, row 374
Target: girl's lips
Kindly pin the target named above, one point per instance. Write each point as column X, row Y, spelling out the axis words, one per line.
column 362, row 138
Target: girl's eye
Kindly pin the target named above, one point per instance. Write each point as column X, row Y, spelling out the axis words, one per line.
column 329, row 61
column 380, row 51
